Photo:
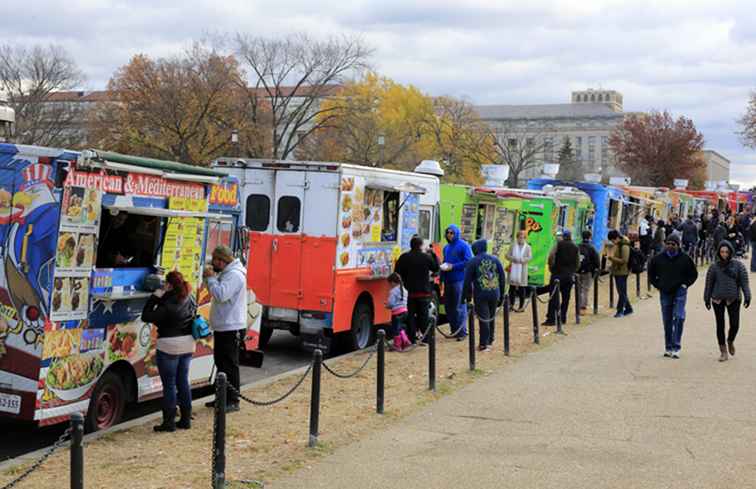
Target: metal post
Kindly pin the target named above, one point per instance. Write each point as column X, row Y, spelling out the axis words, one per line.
column 219, row 440
column 381, row 374
column 432, row 358
column 637, row 285
column 534, row 304
column 595, row 292
column 471, row 334
column 577, row 299
column 77, row 451
column 317, row 362
column 557, row 291
column 611, row 290
column 506, row 324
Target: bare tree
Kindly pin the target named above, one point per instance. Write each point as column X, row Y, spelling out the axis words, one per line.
column 289, row 77
column 520, row 147
column 748, row 123
column 29, row 78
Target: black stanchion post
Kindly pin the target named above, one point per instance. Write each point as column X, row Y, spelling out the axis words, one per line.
column 77, row 451
column 595, row 292
column 432, row 358
column 577, row 299
column 611, row 291
column 381, row 374
column 317, row 362
column 471, row 334
column 506, row 324
column 534, row 304
column 637, row 285
column 219, row 440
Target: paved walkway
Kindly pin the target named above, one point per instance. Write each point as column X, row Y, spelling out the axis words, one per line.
column 600, row 409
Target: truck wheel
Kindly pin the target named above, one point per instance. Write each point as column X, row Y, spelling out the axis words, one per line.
column 107, row 403
column 361, row 332
column 265, row 334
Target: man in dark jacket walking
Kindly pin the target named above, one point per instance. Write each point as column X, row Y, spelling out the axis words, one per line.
column 484, row 282
column 416, row 267
column 456, row 255
column 672, row 272
column 689, row 235
column 589, row 266
column 564, row 260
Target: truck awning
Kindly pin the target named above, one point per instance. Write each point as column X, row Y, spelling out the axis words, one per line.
column 160, row 212
column 151, row 163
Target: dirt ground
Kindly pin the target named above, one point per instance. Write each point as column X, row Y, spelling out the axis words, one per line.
column 264, row 443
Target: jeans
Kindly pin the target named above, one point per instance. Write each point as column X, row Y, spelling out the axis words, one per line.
column 397, row 324
column 417, row 308
column 486, row 312
column 733, row 311
column 673, row 317
column 753, row 256
column 174, row 374
column 623, row 302
column 226, row 357
column 565, row 288
column 586, row 282
column 456, row 309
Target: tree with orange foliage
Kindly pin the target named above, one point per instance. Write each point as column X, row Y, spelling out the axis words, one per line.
column 183, row 108
column 654, row 149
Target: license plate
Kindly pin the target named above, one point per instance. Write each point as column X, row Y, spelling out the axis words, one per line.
column 10, row 403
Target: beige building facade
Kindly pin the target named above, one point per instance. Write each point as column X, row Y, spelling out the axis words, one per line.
column 717, row 166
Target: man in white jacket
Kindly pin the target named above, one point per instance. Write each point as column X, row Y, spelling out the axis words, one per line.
column 226, row 281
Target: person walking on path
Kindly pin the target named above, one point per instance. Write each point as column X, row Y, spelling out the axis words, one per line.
column 726, row 286
column 644, row 234
column 672, row 272
column 620, row 269
column 519, row 255
column 689, row 235
column 415, row 267
column 456, row 255
column 484, row 282
column 660, row 235
column 564, row 260
column 589, row 266
column 172, row 311
column 227, row 283
column 752, row 233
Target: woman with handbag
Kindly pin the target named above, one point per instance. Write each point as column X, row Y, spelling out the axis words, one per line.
column 172, row 311
column 519, row 255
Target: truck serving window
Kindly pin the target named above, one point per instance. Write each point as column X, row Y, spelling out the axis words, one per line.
column 424, row 224
column 289, row 214
column 390, row 216
column 257, row 215
column 127, row 240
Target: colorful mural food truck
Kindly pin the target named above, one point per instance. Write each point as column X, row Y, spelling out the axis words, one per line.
column 323, row 237
column 80, row 232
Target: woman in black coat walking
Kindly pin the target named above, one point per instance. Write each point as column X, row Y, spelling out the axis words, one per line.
column 172, row 311
column 726, row 286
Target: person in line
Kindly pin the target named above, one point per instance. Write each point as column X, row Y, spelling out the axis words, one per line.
column 689, row 236
column 660, row 235
column 226, row 281
column 484, row 282
column 564, row 260
column 172, row 310
column 397, row 303
column 620, row 269
column 519, row 255
column 672, row 272
column 752, row 235
column 644, row 233
column 589, row 267
column 726, row 287
column 416, row 267
column 456, row 255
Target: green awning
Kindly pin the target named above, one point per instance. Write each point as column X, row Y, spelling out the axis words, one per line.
column 164, row 165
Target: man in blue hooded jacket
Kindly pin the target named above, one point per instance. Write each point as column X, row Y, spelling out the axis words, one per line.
column 456, row 255
column 484, row 282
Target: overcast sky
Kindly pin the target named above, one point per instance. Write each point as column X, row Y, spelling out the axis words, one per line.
column 693, row 57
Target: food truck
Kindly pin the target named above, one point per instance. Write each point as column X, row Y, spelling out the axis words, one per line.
column 80, row 233
column 323, row 237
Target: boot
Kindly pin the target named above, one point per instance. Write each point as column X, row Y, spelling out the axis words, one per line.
column 185, row 421
column 397, row 343
column 405, row 339
column 723, row 351
column 169, row 421
column 731, row 347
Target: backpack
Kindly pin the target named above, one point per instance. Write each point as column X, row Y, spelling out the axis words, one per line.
column 585, row 260
column 637, row 262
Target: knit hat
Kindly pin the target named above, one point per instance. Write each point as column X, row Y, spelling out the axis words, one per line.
column 223, row 253
column 673, row 238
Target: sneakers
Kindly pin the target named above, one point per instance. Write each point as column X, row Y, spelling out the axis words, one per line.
column 484, row 348
column 233, row 407
column 548, row 323
column 619, row 315
column 676, row 354
column 627, row 313
column 668, row 354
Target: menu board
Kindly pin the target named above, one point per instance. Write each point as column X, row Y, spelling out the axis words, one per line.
column 505, row 222
column 489, row 221
column 410, row 216
column 350, row 222
column 75, row 253
column 372, row 215
column 467, row 222
column 182, row 246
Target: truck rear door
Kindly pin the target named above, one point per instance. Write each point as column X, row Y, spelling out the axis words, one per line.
column 257, row 215
column 286, row 248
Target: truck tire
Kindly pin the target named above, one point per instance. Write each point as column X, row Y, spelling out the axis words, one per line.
column 361, row 334
column 107, row 403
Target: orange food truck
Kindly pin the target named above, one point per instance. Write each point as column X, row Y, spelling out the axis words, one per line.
column 323, row 237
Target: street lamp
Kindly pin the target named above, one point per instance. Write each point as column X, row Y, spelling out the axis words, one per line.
column 235, row 141
column 381, row 144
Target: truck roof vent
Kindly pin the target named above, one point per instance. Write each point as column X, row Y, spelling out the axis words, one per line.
column 430, row 167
